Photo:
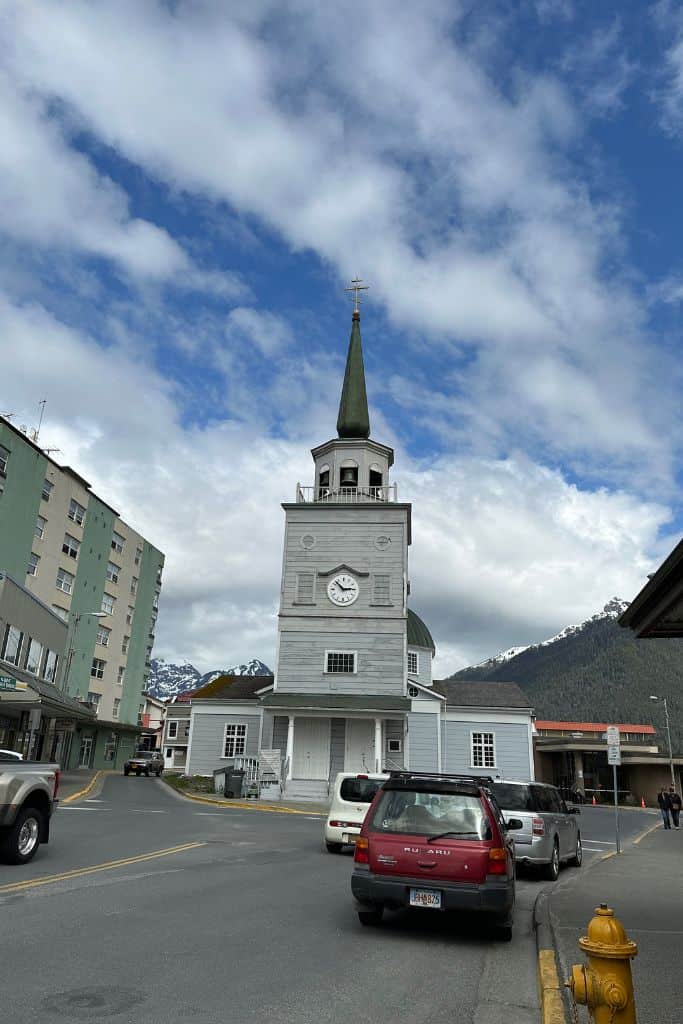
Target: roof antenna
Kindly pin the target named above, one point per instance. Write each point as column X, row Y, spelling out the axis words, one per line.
column 35, row 434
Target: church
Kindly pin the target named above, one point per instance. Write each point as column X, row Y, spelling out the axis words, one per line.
column 353, row 688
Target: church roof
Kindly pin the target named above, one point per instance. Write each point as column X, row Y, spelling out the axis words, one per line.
column 418, row 634
column 477, row 693
column 354, row 419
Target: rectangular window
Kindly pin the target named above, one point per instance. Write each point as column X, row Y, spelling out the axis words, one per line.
column 340, row 661
column 47, row 489
column 155, row 602
column 4, row 459
column 65, row 581
column 172, row 730
column 381, row 590
column 235, row 740
column 122, row 672
column 11, row 647
column 117, row 542
column 413, row 663
column 113, row 572
column 62, row 612
column 134, row 585
column 103, row 635
column 138, row 555
column 94, row 699
column 50, row 672
column 117, row 705
column 34, row 657
column 483, row 750
column 129, row 615
column 39, row 531
column 305, row 582
column 33, row 561
column 108, row 603
column 97, row 668
column 124, row 645
column 394, row 746
column 76, row 512
column 70, row 546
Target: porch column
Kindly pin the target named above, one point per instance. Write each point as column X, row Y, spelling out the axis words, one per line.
column 378, row 744
column 289, row 755
column 578, row 771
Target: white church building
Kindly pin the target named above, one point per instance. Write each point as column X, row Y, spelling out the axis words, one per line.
column 353, row 688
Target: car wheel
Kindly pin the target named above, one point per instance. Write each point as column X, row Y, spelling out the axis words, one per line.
column 126, row 771
column 147, row 773
column 333, row 847
column 577, row 859
column 552, row 869
column 371, row 917
column 20, row 842
column 138, row 774
column 504, row 932
column 159, row 771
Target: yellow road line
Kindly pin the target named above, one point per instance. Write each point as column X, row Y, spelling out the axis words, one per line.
column 247, row 805
column 82, row 792
column 552, row 1007
column 647, row 832
column 33, row 883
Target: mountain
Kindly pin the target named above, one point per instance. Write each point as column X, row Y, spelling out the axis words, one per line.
column 598, row 672
column 167, row 679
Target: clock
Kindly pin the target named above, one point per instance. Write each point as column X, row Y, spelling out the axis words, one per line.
column 343, row 589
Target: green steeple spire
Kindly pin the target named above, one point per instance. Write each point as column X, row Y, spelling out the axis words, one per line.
column 353, row 419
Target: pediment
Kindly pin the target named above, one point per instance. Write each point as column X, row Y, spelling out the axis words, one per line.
column 342, row 567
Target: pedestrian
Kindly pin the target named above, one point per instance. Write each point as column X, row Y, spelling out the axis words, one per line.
column 675, row 801
column 664, row 801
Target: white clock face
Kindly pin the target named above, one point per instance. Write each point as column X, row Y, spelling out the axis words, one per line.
column 342, row 589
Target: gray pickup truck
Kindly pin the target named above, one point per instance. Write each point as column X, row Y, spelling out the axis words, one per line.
column 28, row 798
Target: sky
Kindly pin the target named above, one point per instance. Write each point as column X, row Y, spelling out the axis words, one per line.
column 187, row 187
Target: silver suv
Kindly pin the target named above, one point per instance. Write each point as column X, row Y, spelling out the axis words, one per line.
column 551, row 833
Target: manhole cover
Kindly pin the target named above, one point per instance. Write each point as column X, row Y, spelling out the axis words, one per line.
column 93, row 1002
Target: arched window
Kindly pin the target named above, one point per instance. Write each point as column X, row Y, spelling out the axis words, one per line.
column 348, row 475
column 376, row 476
column 323, row 482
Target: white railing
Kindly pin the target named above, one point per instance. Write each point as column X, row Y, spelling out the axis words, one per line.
column 249, row 765
column 346, row 495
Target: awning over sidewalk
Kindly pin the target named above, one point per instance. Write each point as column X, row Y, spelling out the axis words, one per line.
column 335, row 702
column 657, row 611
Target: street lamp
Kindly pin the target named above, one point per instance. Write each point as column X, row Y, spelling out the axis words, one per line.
column 72, row 649
column 657, row 699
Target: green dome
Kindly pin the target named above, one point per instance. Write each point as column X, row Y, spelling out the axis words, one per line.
column 418, row 634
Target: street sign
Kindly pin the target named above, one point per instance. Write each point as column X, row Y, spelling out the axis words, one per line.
column 613, row 738
column 10, row 683
column 614, row 755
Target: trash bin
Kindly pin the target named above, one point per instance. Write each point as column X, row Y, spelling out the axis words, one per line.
column 234, row 781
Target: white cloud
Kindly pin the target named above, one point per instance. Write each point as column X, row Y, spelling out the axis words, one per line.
column 267, row 331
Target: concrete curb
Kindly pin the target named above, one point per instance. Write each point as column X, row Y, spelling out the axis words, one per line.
column 550, row 987
column 244, row 805
column 79, row 794
column 653, row 828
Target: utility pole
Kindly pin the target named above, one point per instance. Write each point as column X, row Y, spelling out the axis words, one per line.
column 657, row 699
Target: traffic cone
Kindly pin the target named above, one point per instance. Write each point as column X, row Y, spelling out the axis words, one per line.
column 594, row 801
column 642, row 802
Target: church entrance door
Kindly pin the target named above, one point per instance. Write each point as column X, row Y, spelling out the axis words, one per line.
column 359, row 754
column 311, row 748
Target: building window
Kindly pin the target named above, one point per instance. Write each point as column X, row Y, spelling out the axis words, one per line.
column 304, row 587
column 235, row 740
column 4, row 459
column 134, row 585
column 103, row 635
column 172, row 730
column 413, row 691
column 62, row 612
column 76, row 512
column 11, row 647
column 108, row 603
column 97, row 668
column 47, row 490
column 483, row 750
column 65, row 581
column 122, row 672
column 129, row 615
column 113, row 572
column 94, row 699
column 138, row 555
column 33, row 561
column 117, row 705
column 395, row 746
column 117, row 542
column 70, row 546
column 39, row 531
column 50, row 671
column 381, row 590
column 124, row 645
column 34, row 657
column 155, row 602
column 413, row 663
column 340, row 661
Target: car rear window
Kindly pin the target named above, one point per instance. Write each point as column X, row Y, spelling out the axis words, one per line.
column 431, row 814
column 144, row 755
column 513, row 796
column 360, row 791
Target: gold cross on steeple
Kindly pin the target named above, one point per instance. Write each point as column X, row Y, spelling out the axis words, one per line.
column 356, row 286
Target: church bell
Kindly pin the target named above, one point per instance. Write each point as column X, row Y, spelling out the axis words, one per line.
column 348, row 477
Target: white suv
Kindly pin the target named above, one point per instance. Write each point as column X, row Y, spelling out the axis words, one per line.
column 352, row 794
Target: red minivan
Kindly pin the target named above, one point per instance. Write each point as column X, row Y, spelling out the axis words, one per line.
column 438, row 842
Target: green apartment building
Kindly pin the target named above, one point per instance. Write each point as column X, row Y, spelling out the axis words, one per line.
column 75, row 555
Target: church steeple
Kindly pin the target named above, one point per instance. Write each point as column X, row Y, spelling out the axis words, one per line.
column 353, row 419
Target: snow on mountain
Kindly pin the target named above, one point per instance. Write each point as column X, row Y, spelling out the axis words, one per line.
column 167, row 680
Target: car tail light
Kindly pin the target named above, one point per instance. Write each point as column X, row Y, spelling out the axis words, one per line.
column 361, row 854
column 343, row 824
column 58, row 776
column 362, row 776
column 497, row 861
column 538, row 827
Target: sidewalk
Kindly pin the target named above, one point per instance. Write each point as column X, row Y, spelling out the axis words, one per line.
column 644, row 887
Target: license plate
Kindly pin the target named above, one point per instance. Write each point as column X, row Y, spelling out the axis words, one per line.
column 425, row 898
column 351, row 839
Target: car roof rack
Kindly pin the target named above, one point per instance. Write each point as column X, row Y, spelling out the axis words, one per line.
column 476, row 780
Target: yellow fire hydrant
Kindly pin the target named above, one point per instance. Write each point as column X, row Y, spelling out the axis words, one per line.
column 604, row 984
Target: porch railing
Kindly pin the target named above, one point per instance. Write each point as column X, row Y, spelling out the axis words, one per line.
column 346, row 495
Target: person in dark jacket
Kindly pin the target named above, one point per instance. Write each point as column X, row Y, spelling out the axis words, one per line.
column 664, row 801
column 675, row 801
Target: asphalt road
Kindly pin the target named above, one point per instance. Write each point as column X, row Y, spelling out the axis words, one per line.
column 227, row 915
